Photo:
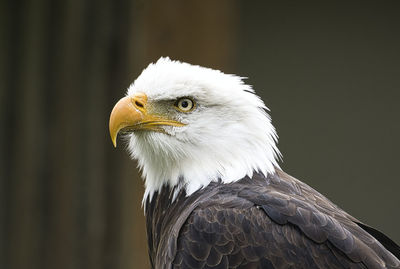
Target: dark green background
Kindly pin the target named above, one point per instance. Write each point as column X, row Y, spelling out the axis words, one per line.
column 328, row 70
column 330, row 73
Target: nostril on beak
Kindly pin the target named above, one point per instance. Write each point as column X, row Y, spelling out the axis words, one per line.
column 139, row 104
column 139, row 100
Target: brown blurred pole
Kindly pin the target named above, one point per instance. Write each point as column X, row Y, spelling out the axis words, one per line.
column 25, row 233
column 200, row 32
column 95, row 133
column 4, row 45
column 65, row 143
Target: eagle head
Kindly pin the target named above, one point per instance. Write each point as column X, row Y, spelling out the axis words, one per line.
column 188, row 126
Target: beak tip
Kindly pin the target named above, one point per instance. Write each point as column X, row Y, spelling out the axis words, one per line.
column 114, row 141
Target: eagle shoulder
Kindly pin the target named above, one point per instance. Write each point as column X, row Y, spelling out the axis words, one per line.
column 259, row 222
column 275, row 222
column 220, row 236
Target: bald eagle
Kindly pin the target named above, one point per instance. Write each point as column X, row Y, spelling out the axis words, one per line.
column 215, row 196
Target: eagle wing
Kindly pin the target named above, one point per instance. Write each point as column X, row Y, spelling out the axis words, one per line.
column 219, row 237
column 275, row 222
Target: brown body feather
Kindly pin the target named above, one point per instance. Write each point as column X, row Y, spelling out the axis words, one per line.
column 262, row 222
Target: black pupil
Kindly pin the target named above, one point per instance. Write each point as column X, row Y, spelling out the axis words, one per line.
column 185, row 104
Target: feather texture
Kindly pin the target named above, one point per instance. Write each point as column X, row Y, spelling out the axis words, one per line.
column 259, row 222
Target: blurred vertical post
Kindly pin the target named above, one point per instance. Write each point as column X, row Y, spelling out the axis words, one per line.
column 4, row 45
column 26, row 158
column 199, row 32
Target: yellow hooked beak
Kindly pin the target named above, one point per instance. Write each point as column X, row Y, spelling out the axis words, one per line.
column 130, row 113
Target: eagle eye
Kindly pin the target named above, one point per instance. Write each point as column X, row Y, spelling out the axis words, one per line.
column 185, row 104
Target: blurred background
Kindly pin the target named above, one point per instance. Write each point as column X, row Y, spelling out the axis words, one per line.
column 328, row 70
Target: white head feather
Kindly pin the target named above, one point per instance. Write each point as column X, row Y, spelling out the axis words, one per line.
column 228, row 135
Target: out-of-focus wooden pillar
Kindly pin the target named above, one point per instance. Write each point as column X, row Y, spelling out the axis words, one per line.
column 25, row 161
column 200, row 32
